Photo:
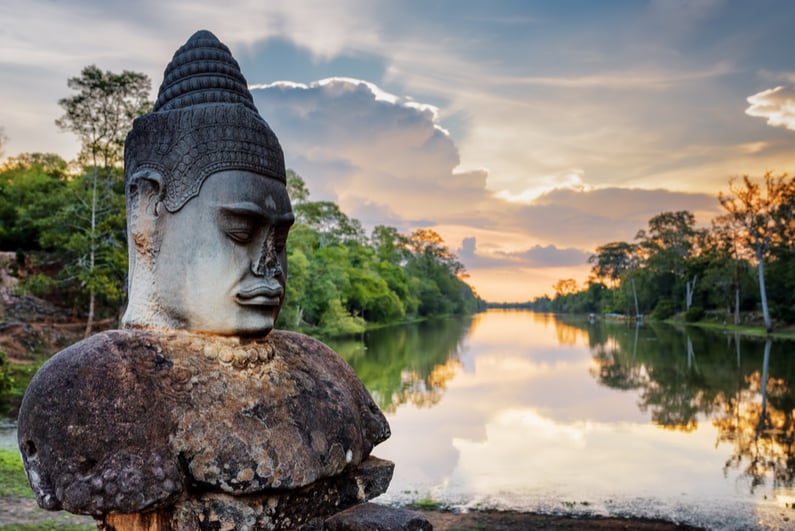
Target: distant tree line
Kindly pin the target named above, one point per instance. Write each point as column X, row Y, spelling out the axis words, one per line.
column 744, row 262
column 340, row 278
column 66, row 222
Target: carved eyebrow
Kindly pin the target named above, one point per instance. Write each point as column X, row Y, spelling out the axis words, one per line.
column 249, row 209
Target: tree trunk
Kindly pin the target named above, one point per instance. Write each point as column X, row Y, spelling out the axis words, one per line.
column 92, row 254
column 691, row 287
column 635, row 294
column 763, row 291
column 737, row 305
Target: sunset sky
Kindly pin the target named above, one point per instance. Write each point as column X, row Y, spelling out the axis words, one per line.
column 526, row 133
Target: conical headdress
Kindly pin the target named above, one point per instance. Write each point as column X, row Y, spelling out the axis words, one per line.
column 204, row 121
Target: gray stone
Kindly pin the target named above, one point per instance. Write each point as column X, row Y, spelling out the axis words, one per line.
column 207, row 207
column 374, row 517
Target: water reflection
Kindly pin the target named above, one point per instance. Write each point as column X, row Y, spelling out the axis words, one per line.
column 744, row 387
column 407, row 364
column 535, row 412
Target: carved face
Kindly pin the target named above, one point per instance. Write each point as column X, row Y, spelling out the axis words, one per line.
column 222, row 265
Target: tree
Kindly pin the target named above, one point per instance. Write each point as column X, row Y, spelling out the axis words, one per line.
column 611, row 261
column 565, row 286
column 32, row 187
column 665, row 247
column 296, row 188
column 100, row 114
column 762, row 213
column 725, row 247
column 614, row 261
column 429, row 248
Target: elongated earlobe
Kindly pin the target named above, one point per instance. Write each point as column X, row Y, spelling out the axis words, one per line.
column 144, row 208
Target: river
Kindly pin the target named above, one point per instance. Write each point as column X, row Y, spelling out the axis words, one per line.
column 513, row 409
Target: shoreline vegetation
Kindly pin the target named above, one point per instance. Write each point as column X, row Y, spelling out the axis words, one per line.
column 754, row 327
column 738, row 273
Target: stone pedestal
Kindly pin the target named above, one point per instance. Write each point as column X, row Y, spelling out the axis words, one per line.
column 129, row 422
column 305, row 508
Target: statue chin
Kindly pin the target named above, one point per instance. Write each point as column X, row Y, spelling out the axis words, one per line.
column 246, row 320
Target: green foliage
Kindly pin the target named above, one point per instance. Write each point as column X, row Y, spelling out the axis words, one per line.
column 6, row 381
column 87, row 236
column 694, row 314
column 665, row 308
column 336, row 321
column 32, row 186
column 102, row 112
column 338, row 281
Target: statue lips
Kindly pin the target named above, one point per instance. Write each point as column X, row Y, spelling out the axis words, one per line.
column 260, row 295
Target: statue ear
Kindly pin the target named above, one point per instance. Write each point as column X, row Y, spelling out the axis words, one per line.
column 144, row 208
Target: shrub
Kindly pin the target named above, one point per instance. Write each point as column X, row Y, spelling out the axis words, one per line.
column 695, row 313
column 665, row 308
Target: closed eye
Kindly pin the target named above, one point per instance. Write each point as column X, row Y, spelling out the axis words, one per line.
column 238, row 227
column 240, row 235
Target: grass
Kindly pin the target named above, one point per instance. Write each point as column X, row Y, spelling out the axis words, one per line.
column 713, row 322
column 754, row 331
column 13, row 481
column 426, row 503
column 46, row 526
column 14, row 484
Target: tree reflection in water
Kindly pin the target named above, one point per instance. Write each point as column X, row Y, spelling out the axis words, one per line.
column 744, row 386
column 407, row 364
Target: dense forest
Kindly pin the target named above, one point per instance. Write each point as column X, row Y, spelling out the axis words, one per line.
column 66, row 224
column 743, row 264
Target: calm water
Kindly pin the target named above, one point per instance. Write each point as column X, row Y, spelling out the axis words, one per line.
column 519, row 410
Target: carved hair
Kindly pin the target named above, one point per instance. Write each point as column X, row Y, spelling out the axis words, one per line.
column 204, row 122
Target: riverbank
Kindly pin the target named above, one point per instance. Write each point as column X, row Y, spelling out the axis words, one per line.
column 23, row 514
column 514, row 520
column 18, row 510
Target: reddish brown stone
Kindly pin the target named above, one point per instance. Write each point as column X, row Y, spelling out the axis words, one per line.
column 129, row 421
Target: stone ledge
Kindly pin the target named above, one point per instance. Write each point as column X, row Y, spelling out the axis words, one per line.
column 304, row 508
column 374, row 517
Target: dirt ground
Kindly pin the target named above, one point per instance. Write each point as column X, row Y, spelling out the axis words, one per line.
column 511, row 520
column 24, row 510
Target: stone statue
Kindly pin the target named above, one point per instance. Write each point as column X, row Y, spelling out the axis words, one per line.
column 197, row 415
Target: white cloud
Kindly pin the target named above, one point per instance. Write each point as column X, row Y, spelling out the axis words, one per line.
column 777, row 105
column 351, row 140
column 568, row 181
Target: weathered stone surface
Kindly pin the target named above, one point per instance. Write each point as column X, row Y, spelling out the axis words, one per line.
column 374, row 517
column 304, row 508
column 207, row 208
column 128, row 421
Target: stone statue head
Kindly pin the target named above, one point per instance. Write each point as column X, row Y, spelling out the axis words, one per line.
column 207, row 206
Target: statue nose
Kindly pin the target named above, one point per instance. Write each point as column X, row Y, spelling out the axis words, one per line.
column 266, row 264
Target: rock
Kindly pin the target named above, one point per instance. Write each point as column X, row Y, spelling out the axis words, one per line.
column 374, row 517
column 304, row 508
column 129, row 421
